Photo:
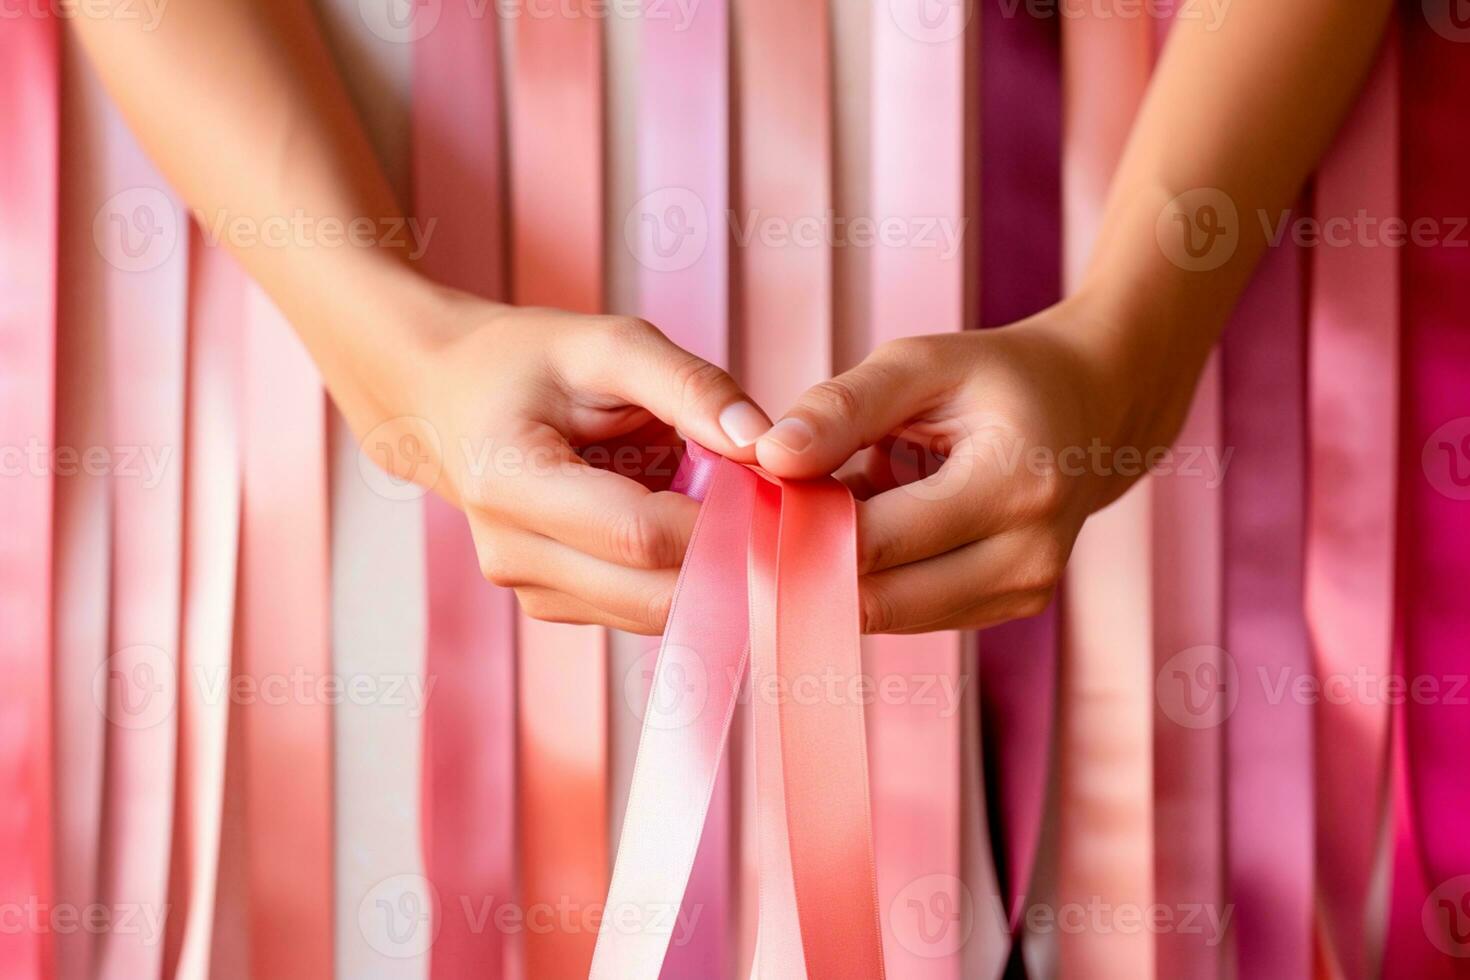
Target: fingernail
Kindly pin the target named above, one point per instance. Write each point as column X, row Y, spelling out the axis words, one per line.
column 743, row 423
column 792, row 435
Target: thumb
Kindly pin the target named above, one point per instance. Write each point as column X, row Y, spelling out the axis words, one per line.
column 683, row 390
column 836, row 418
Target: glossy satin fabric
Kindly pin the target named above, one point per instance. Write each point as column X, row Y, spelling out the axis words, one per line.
column 217, row 290
column 556, row 240
column 143, row 234
column 1353, row 381
column 469, row 741
column 284, row 612
column 1268, row 735
column 917, row 169
column 819, row 914
column 682, row 251
column 1435, row 459
column 1020, row 269
column 1105, row 729
column 30, row 76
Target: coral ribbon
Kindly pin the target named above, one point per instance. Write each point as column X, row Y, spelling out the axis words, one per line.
column 771, row 569
column 144, row 237
column 678, row 233
column 1353, row 390
column 284, row 633
column 30, row 73
column 918, row 170
column 556, row 205
column 1268, row 735
column 469, row 739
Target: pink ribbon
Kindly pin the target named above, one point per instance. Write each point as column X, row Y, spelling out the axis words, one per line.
column 762, row 574
column 29, row 111
column 1353, row 385
column 469, row 739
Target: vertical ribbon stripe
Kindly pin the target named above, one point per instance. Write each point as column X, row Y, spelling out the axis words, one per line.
column 1352, row 385
column 1267, row 739
column 143, row 234
column 1436, row 457
column 217, row 292
column 30, row 76
column 918, row 142
column 469, row 738
column 1020, row 274
column 284, row 609
column 1105, row 711
column 683, row 260
column 556, row 183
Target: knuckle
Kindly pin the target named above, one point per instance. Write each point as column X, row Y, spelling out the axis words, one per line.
column 837, row 397
column 1044, row 565
column 622, row 330
column 699, row 382
column 496, row 569
column 878, row 612
column 638, row 540
column 1033, row 603
column 1046, row 494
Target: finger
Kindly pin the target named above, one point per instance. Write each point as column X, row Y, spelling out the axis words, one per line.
column 635, row 362
column 546, row 488
column 836, row 418
column 516, row 559
column 991, row 612
column 918, row 596
column 973, row 495
column 551, row 606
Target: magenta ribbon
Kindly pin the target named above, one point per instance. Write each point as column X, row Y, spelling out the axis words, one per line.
column 29, row 112
column 771, row 574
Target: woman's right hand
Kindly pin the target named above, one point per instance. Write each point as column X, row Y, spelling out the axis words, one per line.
column 553, row 432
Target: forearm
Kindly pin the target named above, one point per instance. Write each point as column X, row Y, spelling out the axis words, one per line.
column 1237, row 117
column 241, row 107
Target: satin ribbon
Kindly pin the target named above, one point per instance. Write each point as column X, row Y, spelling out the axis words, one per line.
column 1268, row 735
column 556, row 237
column 1435, row 459
column 217, row 291
column 30, row 74
column 83, row 513
column 1105, row 706
column 758, row 576
column 143, row 235
column 284, row 608
column 918, row 170
column 1020, row 274
column 469, row 738
column 1352, row 385
column 682, row 251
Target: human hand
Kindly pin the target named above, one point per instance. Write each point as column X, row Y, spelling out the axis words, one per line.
column 555, row 433
column 1017, row 417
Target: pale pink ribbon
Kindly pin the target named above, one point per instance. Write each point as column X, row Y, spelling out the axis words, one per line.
column 1105, row 706
column 918, row 169
column 29, row 196
column 143, row 234
column 678, row 229
column 1353, row 382
column 469, row 740
column 765, row 573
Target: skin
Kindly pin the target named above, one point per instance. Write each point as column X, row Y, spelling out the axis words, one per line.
column 242, row 108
